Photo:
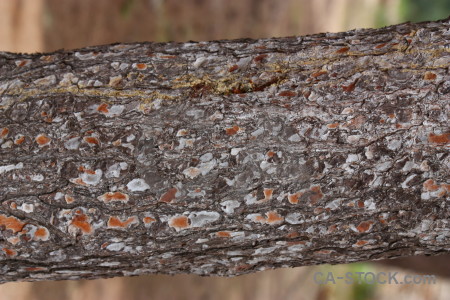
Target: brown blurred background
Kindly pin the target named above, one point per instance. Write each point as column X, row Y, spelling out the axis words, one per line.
column 48, row 25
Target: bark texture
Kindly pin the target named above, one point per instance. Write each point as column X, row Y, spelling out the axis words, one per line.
column 225, row 157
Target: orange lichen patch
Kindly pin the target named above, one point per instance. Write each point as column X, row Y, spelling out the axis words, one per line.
column 349, row 88
column 182, row 132
column 429, row 76
column 88, row 171
column 272, row 217
column 287, row 94
column 268, row 193
column 243, row 267
column 41, row 234
column 19, row 140
column 103, row 108
column 430, row 185
column 270, row 154
column 11, row 223
column 9, row 252
column 115, row 222
column 13, row 205
column 316, row 194
column 43, row 140
column 78, row 181
column 318, row 210
column 141, row 66
column 295, row 243
column 361, row 243
column 293, row 198
column 169, row 195
column 233, row 68
column 91, row 140
column 223, row 234
column 292, row 235
column 113, row 196
column 398, row 125
column 360, row 204
column 179, row 222
column 168, row 56
column 391, row 116
column 4, row 132
column 317, row 74
column 342, row 50
column 80, row 221
column 34, row 269
column 22, row 63
column 444, row 190
column 13, row 240
column 356, row 122
column 332, row 228
column 333, row 125
column 148, row 220
column 364, row 226
column 380, row 46
column 323, row 252
column 232, row 130
column 69, row 199
column 439, row 138
column 104, row 245
column 260, row 58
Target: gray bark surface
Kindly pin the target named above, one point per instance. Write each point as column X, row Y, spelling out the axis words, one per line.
column 225, row 157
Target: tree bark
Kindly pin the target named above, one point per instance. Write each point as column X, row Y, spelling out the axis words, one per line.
column 225, row 157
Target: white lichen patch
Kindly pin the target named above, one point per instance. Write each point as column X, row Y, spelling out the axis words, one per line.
column 115, row 246
column 73, row 143
column 115, row 80
column 295, row 138
column 85, row 56
column 407, row 180
column 92, row 179
column 37, row 177
column 114, row 110
column 199, row 62
column 192, row 172
column 201, row 218
column 235, row 151
column 229, row 206
column 185, row 143
column 352, row 158
column 394, row 144
column 137, row 185
column 114, row 170
column 59, row 196
column 109, row 263
column 196, row 193
column 206, row 167
column 295, row 218
column 7, row 168
column 45, row 81
column 26, row 207
column 264, row 251
column 206, row 157
column 68, row 79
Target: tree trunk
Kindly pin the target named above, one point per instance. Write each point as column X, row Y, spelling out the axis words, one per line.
column 225, row 157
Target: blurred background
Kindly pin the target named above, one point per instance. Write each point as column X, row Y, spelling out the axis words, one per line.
column 49, row 25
